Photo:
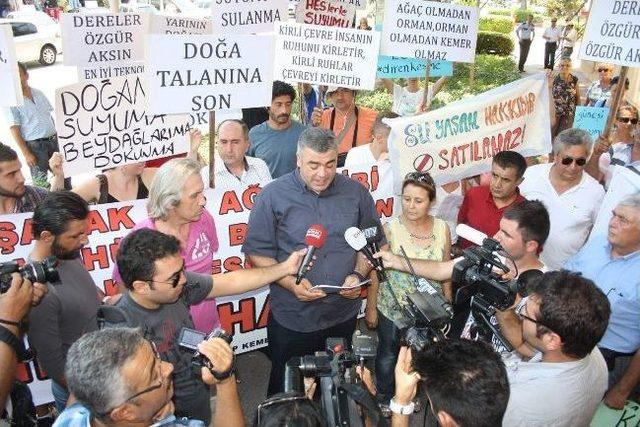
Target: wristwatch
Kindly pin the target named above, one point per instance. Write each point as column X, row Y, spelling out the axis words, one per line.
column 397, row 408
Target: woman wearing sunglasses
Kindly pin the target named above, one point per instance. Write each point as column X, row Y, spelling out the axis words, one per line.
column 625, row 150
column 566, row 96
column 600, row 90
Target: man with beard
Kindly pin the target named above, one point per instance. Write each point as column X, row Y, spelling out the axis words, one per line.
column 275, row 141
column 15, row 197
column 69, row 309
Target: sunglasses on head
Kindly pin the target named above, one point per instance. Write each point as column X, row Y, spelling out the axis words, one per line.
column 600, row 70
column 420, row 177
column 628, row 120
column 568, row 160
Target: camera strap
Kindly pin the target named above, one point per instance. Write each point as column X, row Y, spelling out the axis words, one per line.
column 364, row 398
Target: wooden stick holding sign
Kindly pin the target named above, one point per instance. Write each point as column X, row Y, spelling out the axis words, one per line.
column 425, row 94
column 212, row 149
column 615, row 103
column 303, row 116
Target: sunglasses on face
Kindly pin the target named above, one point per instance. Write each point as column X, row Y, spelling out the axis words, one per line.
column 568, row 160
column 175, row 279
column 628, row 120
column 600, row 70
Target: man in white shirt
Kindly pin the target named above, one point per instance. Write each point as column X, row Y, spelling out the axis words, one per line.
column 375, row 151
column 552, row 37
column 237, row 168
column 526, row 31
column 571, row 196
column 563, row 319
column 569, row 37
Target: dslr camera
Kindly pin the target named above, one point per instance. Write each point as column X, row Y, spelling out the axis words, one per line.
column 36, row 271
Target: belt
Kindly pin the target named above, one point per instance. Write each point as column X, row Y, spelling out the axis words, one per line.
column 46, row 138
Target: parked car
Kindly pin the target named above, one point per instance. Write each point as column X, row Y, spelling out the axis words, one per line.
column 35, row 41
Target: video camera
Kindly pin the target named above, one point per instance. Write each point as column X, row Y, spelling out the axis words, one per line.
column 335, row 368
column 36, row 271
column 189, row 340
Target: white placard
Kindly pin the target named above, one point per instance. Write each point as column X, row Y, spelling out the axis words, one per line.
column 326, row 55
column 247, row 17
column 459, row 140
column 188, row 74
column 358, row 4
column 105, row 39
column 430, row 30
column 325, row 13
column 106, row 123
column 10, row 89
column 162, row 24
column 613, row 33
column 110, row 71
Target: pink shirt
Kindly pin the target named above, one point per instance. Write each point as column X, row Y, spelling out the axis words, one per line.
column 202, row 243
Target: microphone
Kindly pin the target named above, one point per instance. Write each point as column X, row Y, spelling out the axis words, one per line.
column 478, row 237
column 358, row 242
column 315, row 238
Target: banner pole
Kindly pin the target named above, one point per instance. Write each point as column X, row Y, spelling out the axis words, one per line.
column 425, row 93
column 212, row 149
column 303, row 116
column 616, row 101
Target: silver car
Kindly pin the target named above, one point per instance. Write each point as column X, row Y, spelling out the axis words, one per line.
column 35, row 41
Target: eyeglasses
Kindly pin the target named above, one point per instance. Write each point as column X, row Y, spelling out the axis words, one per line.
column 161, row 379
column 276, row 401
column 176, row 278
column 419, row 177
column 600, row 70
column 627, row 120
column 520, row 313
column 568, row 160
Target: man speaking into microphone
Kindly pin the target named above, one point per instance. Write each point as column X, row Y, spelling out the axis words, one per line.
column 297, row 205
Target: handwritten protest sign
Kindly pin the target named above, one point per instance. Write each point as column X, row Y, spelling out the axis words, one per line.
column 10, row 90
column 395, row 67
column 459, row 140
column 198, row 73
column 325, row 13
column 105, row 39
column 591, row 119
column 613, row 33
column 242, row 17
column 106, row 123
column 326, row 55
column 607, row 417
column 624, row 182
column 430, row 30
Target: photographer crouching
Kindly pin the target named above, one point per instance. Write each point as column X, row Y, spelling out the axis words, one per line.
column 118, row 379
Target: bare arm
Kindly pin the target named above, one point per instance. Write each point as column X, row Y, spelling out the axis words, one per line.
column 438, row 85
column 616, row 396
column 88, row 190
column 447, row 287
column 22, row 144
column 434, row 270
column 593, row 165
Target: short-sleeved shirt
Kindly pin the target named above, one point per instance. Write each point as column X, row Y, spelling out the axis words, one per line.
column 279, row 220
column 276, row 147
column 359, row 155
column 366, row 117
column 479, row 211
column 33, row 117
column 255, row 171
column 619, row 279
column 526, row 31
column 78, row 415
column 32, row 197
column 562, row 394
column 554, row 34
column 406, row 103
column 571, row 213
column 163, row 325
column 619, row 154
column 598, row 94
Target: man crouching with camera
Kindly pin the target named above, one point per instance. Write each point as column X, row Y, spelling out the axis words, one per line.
column 118, row 379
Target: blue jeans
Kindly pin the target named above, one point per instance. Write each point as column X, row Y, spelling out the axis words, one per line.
column 60, row 395
column 388, row 349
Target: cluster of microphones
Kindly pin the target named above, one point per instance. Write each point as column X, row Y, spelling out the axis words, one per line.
column 366, row 241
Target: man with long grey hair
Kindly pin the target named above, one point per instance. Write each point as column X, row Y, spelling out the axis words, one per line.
column 303, row 317
column 571, row 196
column 612, row 261
column 118, row 379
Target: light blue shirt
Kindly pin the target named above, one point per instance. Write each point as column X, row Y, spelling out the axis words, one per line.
column 619, row 279
column 77, row 415
column 33, row 117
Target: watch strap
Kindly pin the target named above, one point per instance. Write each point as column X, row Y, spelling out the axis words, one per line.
column 358, row 275
column 397, row 408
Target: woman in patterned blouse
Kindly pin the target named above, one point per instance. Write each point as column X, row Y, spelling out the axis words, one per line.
column 566, row 95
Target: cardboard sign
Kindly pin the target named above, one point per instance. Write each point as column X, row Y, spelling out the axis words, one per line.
column 395, row 67
column 459, row 140
column 430, row 30
column 10, row 89
column 188, row 74
column 242, row 17
column 326, row 55
column 325, row 13
column 613, row 33
column 591, row 119
column 106, row 123
column 175, row 24
column 105, row 39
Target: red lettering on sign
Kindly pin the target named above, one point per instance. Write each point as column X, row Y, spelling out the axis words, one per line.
column 111, row 287
column 362, row 178
column 384, row 207
column 249, row 195
column 8, row 238
column 96, row 222
column 113, row 248
column 237, row 234
column 232, row 263
column 120, row 217
column 375, row 178
column 27, row 232
column 216, row 266
column 245, row 316
column 230, row 202
column 100, row 256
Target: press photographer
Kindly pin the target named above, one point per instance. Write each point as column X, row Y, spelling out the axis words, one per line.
column 118, row 379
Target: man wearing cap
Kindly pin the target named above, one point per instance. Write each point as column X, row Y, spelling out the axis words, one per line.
column 352, row 125
column 551, row 37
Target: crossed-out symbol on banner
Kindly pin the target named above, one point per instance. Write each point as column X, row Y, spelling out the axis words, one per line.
column 423, row 163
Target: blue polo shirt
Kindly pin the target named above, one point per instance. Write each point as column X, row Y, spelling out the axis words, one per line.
column 619, row 279
column 33, row 117
column 279, row 220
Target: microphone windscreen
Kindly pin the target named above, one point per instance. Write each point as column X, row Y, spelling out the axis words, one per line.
column 471, row 234
column 372, row 232
column 316, row 236
column 355, row 238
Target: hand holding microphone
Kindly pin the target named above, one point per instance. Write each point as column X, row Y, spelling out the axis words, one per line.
column 314, row 239
column 358, row 242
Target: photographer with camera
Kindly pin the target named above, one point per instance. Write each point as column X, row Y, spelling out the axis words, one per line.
column 158, row 298
column 119, row 379
column 465, row 383
column 69, row 310
column 14, row 306
column 563, row 318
